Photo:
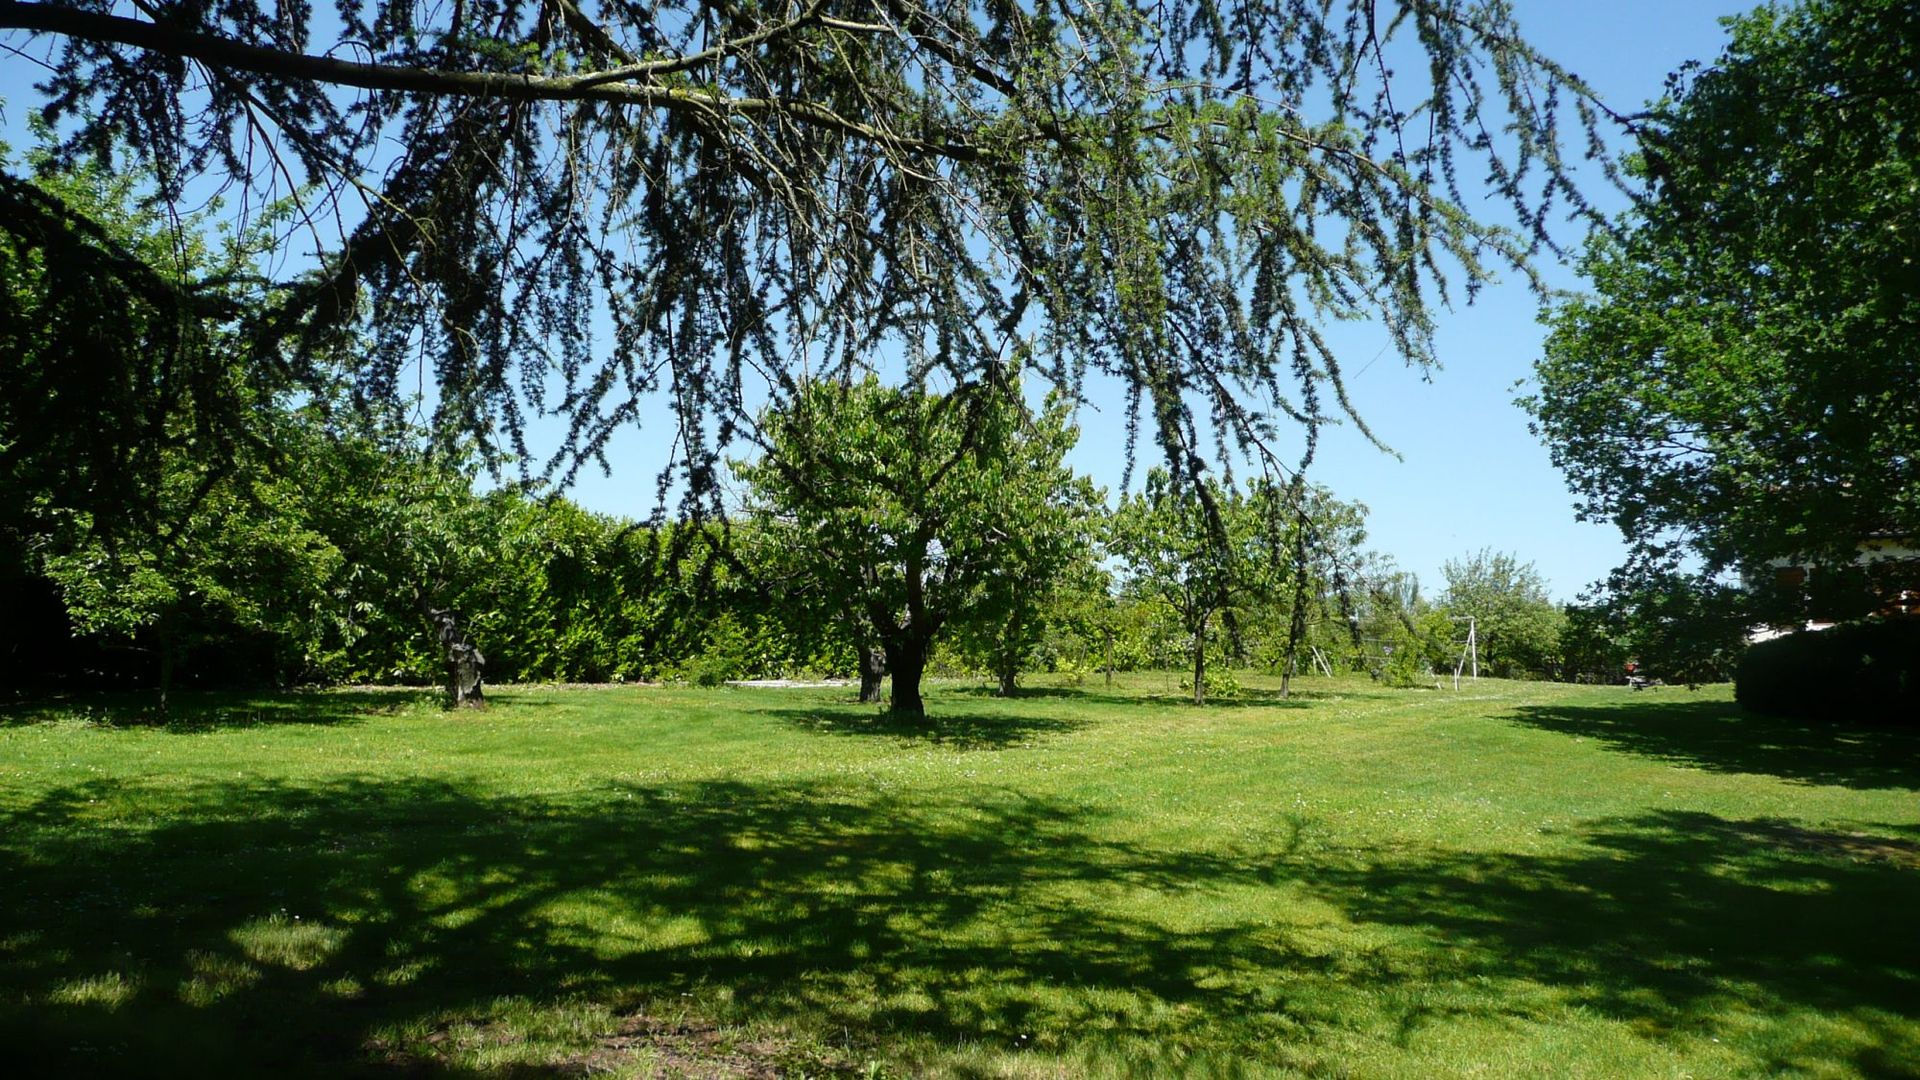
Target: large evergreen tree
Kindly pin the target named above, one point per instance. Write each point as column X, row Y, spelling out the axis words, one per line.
column 569, row 206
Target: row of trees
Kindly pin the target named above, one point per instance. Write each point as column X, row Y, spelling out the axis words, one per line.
column 308, row 576
column 881, row 529
column 884, row 529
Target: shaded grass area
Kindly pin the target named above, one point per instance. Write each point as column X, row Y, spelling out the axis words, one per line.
column 1718, row 735
column 1069, row 884
column 192, row 713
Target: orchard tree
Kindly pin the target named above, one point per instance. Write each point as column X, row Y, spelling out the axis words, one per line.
column 1398, row 636
column 1322, row 549
column 232, row 555
column 1516, row 624
column 572, row 206
column 425, row 556
column 1199, row 549
column 1676, row 626
column 1021, row 596
column 1738, row 388
column 813, row 603
column 923, row 511
column 239, row 560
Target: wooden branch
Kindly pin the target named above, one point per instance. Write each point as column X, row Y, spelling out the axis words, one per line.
column 217, row 51
column 672, row 64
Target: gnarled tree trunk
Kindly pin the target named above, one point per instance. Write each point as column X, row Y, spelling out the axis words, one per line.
column 906, row 662
column 463, row 660
column 873, row 668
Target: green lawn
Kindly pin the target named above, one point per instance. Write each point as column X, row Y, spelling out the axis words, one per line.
column 1512, row 879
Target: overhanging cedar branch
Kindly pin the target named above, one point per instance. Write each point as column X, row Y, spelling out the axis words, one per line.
column 218, row 51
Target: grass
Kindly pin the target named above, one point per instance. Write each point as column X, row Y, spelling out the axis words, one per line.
column 1514, row 879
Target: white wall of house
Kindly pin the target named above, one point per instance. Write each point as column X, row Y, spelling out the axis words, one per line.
column 1879, row 549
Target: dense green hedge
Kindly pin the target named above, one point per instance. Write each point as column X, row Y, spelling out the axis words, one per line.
column 1863, row 672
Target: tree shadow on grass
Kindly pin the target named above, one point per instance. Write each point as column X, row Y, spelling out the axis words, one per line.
column 1119, row 698
column 1686, row 924
column 1720, row 737
column 192, row 712
column 940, row 727
column 1248, row 698
column 1027, row 693
column 379, row 926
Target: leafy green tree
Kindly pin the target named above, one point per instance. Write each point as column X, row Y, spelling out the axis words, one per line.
column 425, row 556
column 1394, row 633
column 1325, row 538
column 1675, row 626
column 240, row 562
column 184, row 539
column 1023, row 593
column 924, row 511
column 1738, row 389
column 117, row 348
column 1087, row 619
column 1175, row 192
column 1592, row 647
column 1201, row 550
column 1516, row 623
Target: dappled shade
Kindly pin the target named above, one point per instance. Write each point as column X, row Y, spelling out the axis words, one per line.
column 266, row 925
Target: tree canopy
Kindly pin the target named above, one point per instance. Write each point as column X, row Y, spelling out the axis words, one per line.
column 922, row 512
column 566, row 207
column 1516, row 625
column 1202, row 550
column 1739, row 387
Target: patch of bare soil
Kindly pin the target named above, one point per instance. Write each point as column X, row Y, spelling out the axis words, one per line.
column 1859, row 846
column 695, row 1050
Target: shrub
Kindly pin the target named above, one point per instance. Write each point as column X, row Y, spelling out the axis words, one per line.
column 1406, row 667
column 1864, row 672
column 1220, row 681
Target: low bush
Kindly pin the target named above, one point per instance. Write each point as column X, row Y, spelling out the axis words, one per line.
column 1862, row 672
column 1219, row 681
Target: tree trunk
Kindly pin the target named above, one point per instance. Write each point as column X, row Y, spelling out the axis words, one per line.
column 462, row 658
column 906, row 660
column 1296, row 631
column 1200, row 664
column 168, row 651
column 1007, row 658
column 873, row 668
column 1109, row 657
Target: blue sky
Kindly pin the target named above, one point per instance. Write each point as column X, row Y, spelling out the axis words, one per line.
column 1470, row 476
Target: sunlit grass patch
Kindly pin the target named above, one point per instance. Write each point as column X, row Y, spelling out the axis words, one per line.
column 215, row 976
column 107, row 990
column 288, row 941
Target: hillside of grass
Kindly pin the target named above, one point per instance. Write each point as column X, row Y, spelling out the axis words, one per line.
column 1512, row 879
